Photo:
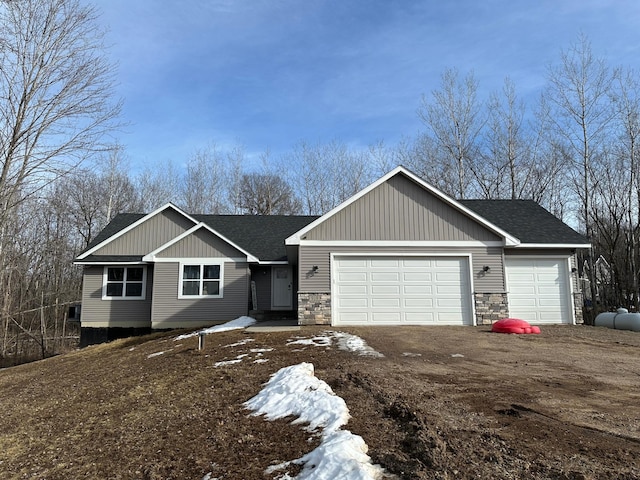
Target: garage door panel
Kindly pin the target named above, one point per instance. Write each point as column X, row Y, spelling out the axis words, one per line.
column 355, row 317
column 353, row 302
column 416, row 263
column 385, row 276
column 409, row 290
column 353, row 289
column 391, row 316
column 382, row 302
column 359, row 277
column 385, row 289
column 384, row 263
column 452, row 277
column 416, row 276
column 352, row 263
column 424, row 290
column 418, row 303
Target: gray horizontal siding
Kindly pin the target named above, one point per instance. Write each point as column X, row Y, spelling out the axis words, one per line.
column 113, row 313
column 149, row 235
column 320, row 281
column 400, row 209
column 169, row 311
column 201, row 243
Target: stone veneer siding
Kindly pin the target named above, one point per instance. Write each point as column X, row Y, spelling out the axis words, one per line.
column 578, row 302
column 491, row 307
column 314, row 308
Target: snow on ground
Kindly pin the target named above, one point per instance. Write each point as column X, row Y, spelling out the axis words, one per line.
column 345, row 341
column 296, row 391
column 240, row 322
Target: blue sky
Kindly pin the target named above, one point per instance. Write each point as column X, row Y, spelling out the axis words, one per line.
column 267, row 74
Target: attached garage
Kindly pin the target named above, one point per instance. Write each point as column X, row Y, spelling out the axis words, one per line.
column 392, row 290
column 539, row 289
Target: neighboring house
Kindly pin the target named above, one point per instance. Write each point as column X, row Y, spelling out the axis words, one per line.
column 400, row 252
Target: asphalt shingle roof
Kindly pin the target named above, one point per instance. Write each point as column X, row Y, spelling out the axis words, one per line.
column 526, row 220
column 263, row 235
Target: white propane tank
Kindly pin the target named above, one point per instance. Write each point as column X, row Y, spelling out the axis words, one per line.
column 620, row 320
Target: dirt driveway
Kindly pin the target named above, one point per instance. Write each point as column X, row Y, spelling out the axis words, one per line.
column 467, row 403
column 443, row 403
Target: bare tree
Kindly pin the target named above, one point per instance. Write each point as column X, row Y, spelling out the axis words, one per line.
column 267, row 194
column 330, row 173
column 580, row 93
column 158, row 184
column 203, row 186
column 56, row 90
column 453, row 116
column 56, row 107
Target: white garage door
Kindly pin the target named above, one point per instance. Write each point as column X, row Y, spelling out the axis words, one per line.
column 401, row 290
column 538, row 290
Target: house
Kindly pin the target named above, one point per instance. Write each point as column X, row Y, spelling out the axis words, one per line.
column 399, row 252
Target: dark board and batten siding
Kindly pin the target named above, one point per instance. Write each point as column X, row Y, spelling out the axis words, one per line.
column 98, row 313
column 149, row 235
column 169, row 311
column 320, row 256
column 400, row 210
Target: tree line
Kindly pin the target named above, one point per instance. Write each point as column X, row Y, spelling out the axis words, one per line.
column 573, row 149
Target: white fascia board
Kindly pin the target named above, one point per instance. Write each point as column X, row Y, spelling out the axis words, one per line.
column 553, row 245
column 200, row 260
column 134, row 225
column 399, row 243
column 110, row 263
column 273, row 262
column 508, row 239
column 151, row 256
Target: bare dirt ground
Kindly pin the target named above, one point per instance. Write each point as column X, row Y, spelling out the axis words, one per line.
column 443, row 403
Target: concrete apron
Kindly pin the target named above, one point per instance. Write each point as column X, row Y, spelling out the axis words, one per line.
column 274, row 326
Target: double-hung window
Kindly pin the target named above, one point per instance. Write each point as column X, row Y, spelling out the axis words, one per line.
column 124, row 283
column 203, row 280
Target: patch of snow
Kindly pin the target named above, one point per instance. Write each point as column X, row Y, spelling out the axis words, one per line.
column 240, row 343
column 457, row 355
column 295, row 391
column 410, row 354
column 353, row 343
column 226, row 362
column 151, row 355
column 345, row 341
column 260, row 360
column 238, row 323
column 261, row 350
column 317, row 341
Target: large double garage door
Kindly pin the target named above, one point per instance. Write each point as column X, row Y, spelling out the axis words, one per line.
column 410, row 290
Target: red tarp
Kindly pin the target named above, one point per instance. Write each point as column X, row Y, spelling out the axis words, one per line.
column 513, row 325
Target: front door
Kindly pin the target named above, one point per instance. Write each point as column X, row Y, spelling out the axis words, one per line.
column 281, row 288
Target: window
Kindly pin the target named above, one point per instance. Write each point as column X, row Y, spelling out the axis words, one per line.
column 124, row 283
column 201, row 281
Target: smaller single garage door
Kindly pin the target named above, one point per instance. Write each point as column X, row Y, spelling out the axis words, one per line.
column 538, row 289
column 411, row 290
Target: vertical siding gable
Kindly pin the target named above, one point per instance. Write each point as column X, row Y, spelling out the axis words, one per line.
column 149, row 235
column 201, row 243
column 400, row 209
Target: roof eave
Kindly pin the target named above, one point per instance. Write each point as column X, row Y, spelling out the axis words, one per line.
column 553, row 245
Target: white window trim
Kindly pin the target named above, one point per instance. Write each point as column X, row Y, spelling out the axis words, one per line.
column 105, row 277
column 201, row 263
